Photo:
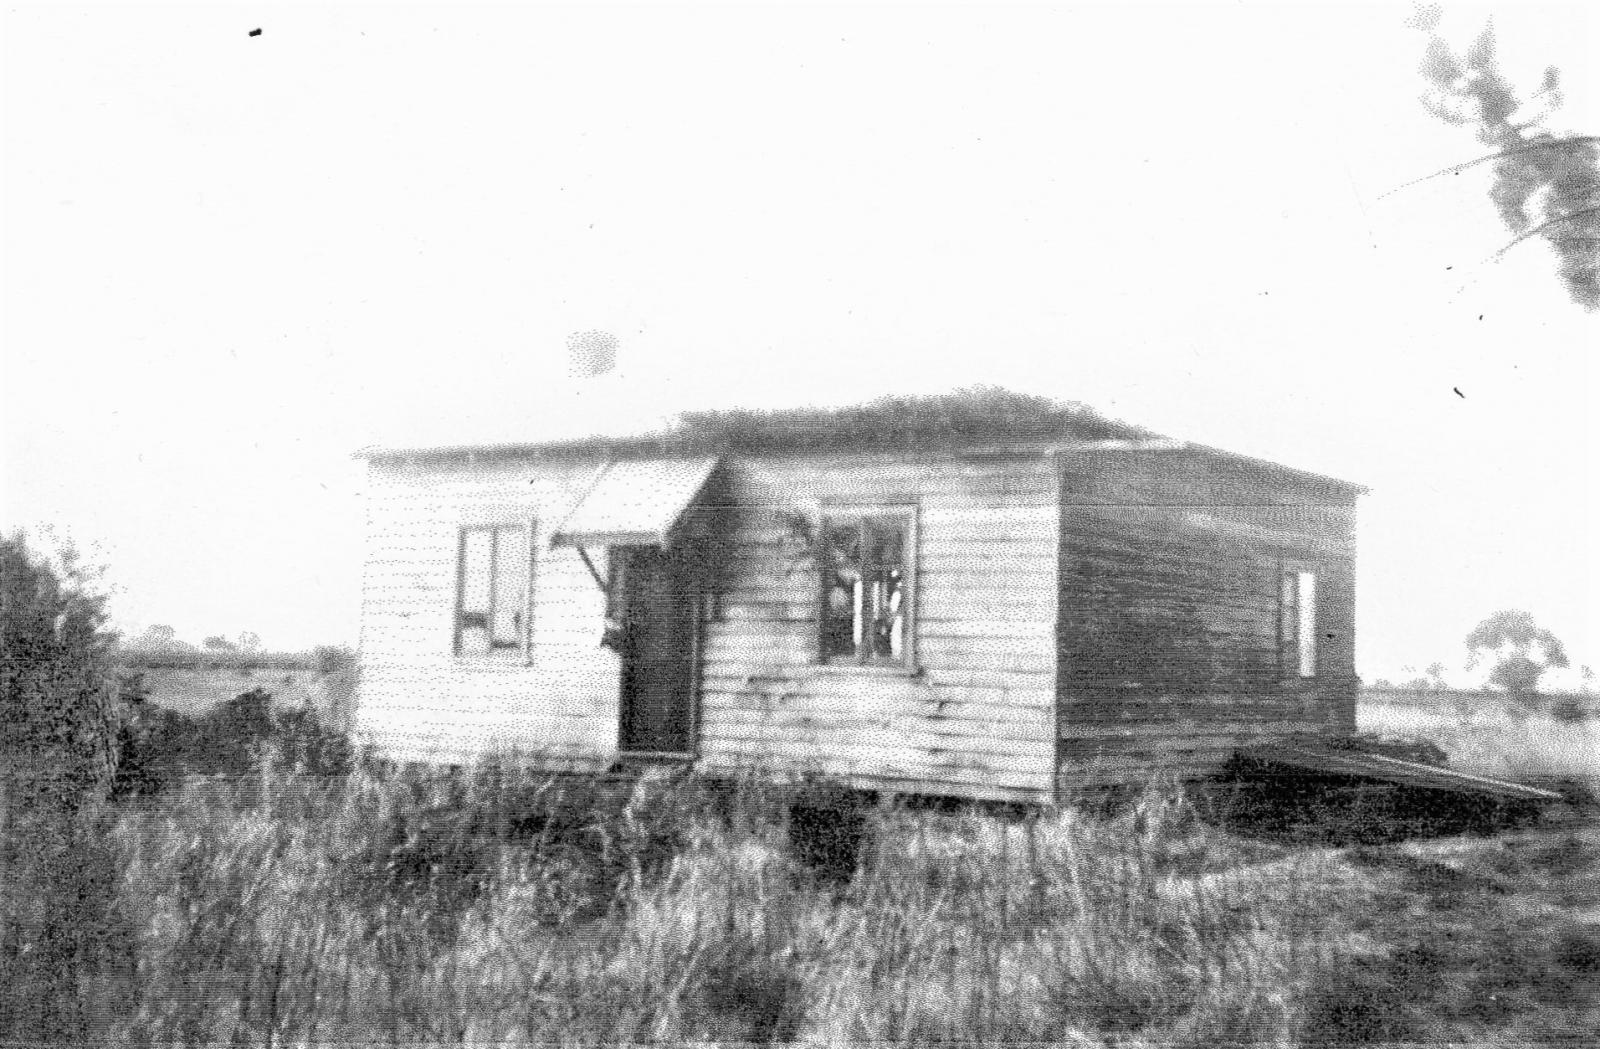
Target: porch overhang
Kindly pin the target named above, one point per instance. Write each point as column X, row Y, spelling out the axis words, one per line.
column 635, row 502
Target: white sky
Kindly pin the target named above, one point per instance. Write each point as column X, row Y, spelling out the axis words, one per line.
column 231, row 260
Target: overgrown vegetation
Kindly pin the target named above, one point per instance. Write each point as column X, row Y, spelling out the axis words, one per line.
column 160, row 747
column 499, row 906
column 901, row 422
column 58, row 704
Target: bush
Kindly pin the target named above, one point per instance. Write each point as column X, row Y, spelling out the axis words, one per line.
column 1572, row 709
column 161, row 746
column 58, row 707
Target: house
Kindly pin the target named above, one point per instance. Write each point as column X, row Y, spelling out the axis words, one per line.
column 982, row 595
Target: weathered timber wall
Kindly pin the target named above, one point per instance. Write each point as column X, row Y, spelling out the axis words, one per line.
column 1169, row 611
column 975, row 717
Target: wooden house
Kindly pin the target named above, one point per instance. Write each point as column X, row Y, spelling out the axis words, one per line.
column 979, row 595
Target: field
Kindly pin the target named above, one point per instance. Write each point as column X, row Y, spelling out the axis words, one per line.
column 196, row 684
column 1486, row 733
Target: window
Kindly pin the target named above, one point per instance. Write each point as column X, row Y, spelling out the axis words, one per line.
column 492, row 590
column 1297, row 634
column 868, row 564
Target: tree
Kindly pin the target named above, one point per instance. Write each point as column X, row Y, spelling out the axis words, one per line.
column 58, row 709
column 1436, row 679
column 249, row 642
column 1545, row 185
column 218, row 643
column 156, row 636
column 1520, row 649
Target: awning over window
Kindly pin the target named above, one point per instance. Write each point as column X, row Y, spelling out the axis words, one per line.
column 636, row 502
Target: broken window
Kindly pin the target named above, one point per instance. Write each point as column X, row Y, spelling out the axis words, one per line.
column 492, row 594
column 867, row 568
column 1298, row 629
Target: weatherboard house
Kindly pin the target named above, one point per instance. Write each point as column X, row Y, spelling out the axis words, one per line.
column 981, row 594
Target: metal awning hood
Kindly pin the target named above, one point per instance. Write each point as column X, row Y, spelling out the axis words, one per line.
column 635, row 502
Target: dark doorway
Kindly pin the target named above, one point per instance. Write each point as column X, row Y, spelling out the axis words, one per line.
column 658, row 606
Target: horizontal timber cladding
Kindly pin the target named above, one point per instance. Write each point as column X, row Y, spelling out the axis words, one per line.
column 1170, row 618
column 417, row 700
column 973, row 715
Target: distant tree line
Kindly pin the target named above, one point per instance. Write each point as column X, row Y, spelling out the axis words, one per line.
column 1515, row 648
column 160, row 637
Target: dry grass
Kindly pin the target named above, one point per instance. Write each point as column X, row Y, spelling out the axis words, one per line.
column 500, row 909
column 1486, row 733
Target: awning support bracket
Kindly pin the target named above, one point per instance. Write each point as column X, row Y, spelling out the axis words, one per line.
column 599, row 580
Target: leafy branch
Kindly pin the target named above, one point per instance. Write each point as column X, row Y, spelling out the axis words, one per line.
column 1545, row 185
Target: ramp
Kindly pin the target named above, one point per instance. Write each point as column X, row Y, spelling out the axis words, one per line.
column 1339, row 762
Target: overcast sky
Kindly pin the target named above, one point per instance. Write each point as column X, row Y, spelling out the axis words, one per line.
column 231, row 260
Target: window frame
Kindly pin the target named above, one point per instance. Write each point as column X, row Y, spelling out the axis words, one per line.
column 860, row 513
column 1294, row 630
column 526, row 527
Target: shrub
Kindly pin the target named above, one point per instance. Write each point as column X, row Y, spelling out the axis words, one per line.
column 58, row 706
column 160, row 746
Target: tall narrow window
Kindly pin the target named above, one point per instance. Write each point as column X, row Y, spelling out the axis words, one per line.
column 492, row 596
column 867, row 570
column 1298, row 631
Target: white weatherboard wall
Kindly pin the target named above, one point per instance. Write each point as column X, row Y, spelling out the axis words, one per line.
column 416, row 700
column 976, row 718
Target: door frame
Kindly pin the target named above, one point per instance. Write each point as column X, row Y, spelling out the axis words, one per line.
column 697, row 607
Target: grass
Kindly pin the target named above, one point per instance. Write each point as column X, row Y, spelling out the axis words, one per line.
column 1486, row 733
column 496, row 907
column 193, row 690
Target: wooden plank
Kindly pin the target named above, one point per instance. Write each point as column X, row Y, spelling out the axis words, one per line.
column 1036, row 716
column 958, row 626
column 1075, row 777
column 1022, row 655
column 1378, row 766
column 929, row 748
column 849, row 685
column 981, row 735
column 730, row 677
column 1142, row 733
column 884, row 764
column 1040, row 519
column 1039, row 790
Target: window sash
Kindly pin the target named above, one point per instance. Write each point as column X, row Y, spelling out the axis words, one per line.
column 494, row 570
column 879, row 566
column 1297, row 635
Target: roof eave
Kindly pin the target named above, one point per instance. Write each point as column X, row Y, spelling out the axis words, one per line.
column 685, row 445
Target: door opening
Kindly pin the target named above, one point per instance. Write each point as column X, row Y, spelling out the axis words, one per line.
column 657, row 604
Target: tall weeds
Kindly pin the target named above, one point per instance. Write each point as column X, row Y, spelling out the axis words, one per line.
column 501, row 907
